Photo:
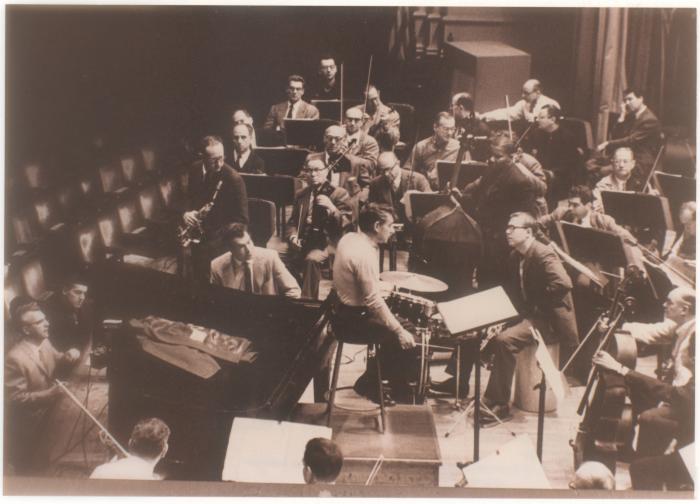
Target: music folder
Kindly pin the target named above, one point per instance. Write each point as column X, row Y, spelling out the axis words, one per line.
column 639, row 210
column 469, row 171
column 306, row 132
column 328, row 109
column 594, row 245
column 476, row 311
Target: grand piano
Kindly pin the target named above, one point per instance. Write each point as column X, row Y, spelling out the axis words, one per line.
column 291, row 339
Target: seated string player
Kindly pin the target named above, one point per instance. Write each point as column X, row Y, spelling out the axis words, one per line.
column 623, row 165
column 147, row 445
column 376, row 114
column 252, row 269
column 318, row 207
column 527, row 108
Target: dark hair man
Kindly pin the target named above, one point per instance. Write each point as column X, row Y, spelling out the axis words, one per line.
column 244, row 159
column 323, row 461
column 441, row 146
column 147, row 445
column 328, row 87
column 251, row 269
column 293, row 108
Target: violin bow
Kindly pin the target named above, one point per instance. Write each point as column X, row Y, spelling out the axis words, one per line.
column 341, row 92
column 647, row 184
column 91, row 417
column 510, row 126
column 369, row 74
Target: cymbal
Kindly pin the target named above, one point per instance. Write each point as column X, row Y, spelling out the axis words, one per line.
column 413, row 281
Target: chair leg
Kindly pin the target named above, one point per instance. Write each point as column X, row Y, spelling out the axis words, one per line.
column 334, row 382
column 382, row 411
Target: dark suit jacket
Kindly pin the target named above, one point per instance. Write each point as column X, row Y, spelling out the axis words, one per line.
column 231, row 204
column 643, row 136
column 547, row 289
column 275, row 117
column 69, row 329
column 254, row 164
column 380, row 191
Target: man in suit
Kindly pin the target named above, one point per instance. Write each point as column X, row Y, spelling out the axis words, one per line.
column 30, row 367
column 388, row 188
column 637, row 128
column 526, row 109
column 251, row 269
column 620, row 179
column 321, row 212
column 215, row 197
column 462, row 108
column 244, row 158
column 540, row 290
column 363, row 145
column 293, row 108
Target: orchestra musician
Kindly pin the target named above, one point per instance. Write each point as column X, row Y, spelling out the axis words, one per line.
column 466, row 122
column 505, row 188
column 242, row 116
column 362, row 313
column 328, row 87
column 640, row 130
column 623, row 166
column 323, row 460
column 682, row 254
column 541, row 292
column 317, row 207
column 293, row 108
column 527, row 108
column 30, row 368
column 229, row 205
column 376, row 113
column 663, row 412
column 251, row 269
column 363, row 146
column 441, row 146
column 244, row 158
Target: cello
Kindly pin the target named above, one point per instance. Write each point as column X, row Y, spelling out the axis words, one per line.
column 607, row 418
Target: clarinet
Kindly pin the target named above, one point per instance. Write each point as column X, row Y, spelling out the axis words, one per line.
column 194, row 233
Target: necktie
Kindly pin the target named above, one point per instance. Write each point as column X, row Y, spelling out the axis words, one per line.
column 290, row 110
column 248, row 271
column 521, row 269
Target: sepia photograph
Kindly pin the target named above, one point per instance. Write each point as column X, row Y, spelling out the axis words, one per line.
column 350, row 251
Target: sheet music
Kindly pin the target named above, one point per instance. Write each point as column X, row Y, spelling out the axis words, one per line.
column 267, row 451
column 687, row 454
column 550, row 370
column 477, row 310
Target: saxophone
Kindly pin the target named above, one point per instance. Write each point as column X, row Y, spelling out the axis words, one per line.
column 194, row 233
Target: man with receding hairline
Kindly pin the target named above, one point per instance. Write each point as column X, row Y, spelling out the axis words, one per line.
column 441, row 146
column 526, row 108
column 389, row 187
column 363, row 145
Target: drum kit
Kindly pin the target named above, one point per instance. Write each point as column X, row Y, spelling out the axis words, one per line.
column 398, row 289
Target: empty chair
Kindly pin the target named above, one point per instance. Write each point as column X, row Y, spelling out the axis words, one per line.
column 582, row 132
column 279, row 189
column 88, row 247
column 90, row 187
column 171, row 192
column 111, row 178
column 263, row 220
column 32, row 276
column 25, row 229
column 35, row 175
column 71, row 201
column 132, row 170
column 13, row 288
column 47, row 212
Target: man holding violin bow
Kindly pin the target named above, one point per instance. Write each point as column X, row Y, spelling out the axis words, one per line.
column 321, row 212
column 663, row 407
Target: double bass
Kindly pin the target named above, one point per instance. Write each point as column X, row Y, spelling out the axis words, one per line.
column 607, row 419
column 448, row 240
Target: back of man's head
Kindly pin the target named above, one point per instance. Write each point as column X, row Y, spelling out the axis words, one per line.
column 323, row 459
column 593, row 475
column 149, row 439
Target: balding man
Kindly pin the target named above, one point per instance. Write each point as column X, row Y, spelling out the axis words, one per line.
column 389, row 187
column 376, row 114
column 439, row 147
column 526, row 108
column 362, row 145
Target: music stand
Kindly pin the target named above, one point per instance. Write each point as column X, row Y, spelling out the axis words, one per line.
column 424, row 203
column 282, row 160
column 328, row 109
column 594, row 245
column 469, row 171
column 640, row 211
column 306, row 132
column 677, row 189
column 461, row 317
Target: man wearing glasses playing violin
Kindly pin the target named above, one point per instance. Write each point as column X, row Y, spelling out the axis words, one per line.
column 321, row 212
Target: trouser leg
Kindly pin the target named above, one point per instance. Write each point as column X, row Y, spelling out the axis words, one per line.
column 657, row 427
column 312, row 273
column 504, row 346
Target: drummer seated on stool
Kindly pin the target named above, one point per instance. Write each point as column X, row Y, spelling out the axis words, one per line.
column 361, row 314
column 540, row 289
